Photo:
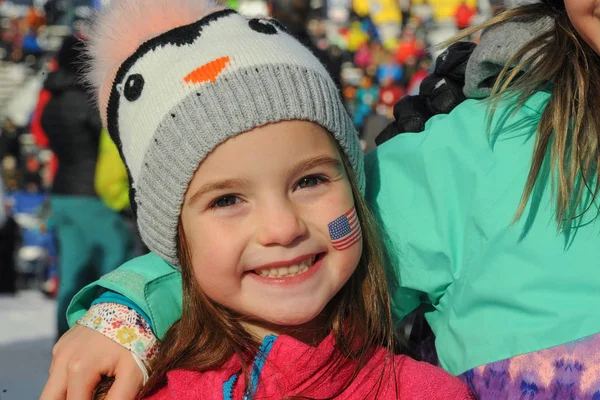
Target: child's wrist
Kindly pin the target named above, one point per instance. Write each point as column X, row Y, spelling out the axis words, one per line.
column 124, row 326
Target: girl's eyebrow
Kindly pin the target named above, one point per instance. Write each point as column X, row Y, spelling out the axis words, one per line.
column 217, row 186
column 302, row 166
column 314, row 162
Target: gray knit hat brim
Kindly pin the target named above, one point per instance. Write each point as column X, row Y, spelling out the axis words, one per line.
column 234, row 104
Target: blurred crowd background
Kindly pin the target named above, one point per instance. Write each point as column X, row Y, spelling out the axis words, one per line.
column 64, row 203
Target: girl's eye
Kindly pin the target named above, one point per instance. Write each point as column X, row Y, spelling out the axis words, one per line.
column 310, row 181
column 225, row 201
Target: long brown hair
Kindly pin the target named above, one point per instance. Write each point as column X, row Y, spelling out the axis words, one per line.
column 360, row 317
column 568, row 132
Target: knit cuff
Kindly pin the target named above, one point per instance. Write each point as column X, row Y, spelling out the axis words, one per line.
column 125, row 326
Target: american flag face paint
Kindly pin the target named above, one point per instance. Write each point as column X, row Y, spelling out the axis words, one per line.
column 345, row 231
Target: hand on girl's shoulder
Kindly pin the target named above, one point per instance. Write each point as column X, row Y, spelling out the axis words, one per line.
column 418, row 380
column 77, row 367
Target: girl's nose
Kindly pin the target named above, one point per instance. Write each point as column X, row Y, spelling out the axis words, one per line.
column 280, row 225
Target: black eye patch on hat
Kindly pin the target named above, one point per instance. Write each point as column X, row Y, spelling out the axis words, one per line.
column 263, row 26
column 133, row 87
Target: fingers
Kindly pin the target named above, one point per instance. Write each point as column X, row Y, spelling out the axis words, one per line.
column 56, row 387
column 128, row 382
column 389, row 132
column 452, row 63
column 77, row 367
column 52, row 362
column 83, row 376
column 443, row 88
column 442, row 94
column 410, row 115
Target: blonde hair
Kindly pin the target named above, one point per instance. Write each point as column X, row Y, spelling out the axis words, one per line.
column 359, row 316
column 569, row 128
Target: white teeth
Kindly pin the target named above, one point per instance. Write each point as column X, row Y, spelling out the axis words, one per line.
column 290, row 271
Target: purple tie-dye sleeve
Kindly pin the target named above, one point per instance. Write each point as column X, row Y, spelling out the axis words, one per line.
column 570, row 371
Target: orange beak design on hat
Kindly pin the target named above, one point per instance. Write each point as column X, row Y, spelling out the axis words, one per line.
column 208, row 72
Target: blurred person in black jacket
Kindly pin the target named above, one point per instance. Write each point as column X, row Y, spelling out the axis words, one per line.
column 9, row 230
column 294, row 15
column 93, row 239
column 9, row 237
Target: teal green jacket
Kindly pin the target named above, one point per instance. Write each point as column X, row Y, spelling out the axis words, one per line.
column 447, row 197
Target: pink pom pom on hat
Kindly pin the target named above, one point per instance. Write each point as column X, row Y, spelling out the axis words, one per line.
column 125, row 25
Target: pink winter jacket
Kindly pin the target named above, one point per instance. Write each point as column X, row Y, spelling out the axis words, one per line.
column 288, row 367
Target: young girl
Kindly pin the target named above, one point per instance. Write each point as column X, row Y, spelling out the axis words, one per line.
column 247, row 176
column 493, row 215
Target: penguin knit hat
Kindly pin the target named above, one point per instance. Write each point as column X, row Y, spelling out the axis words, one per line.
column 176, row 78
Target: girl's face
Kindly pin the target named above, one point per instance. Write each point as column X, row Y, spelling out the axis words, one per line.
column 256, row 218
column 585, row 17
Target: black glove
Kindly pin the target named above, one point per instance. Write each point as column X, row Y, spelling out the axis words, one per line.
column 439, row 93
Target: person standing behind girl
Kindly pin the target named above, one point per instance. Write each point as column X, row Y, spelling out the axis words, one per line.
column 499, row 234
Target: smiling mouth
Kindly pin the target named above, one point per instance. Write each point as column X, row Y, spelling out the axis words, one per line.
column 291, row 270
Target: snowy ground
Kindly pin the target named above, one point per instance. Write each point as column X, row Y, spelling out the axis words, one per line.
column 27, row 330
